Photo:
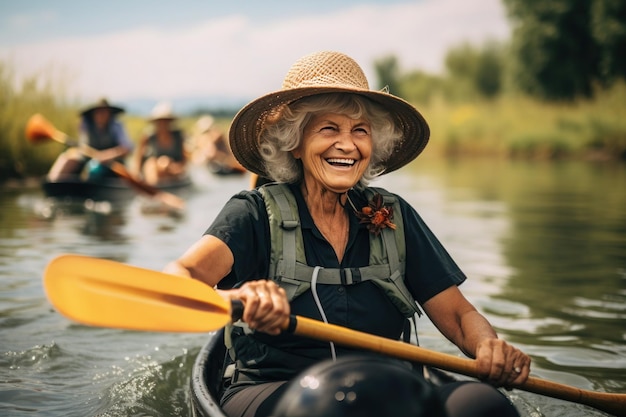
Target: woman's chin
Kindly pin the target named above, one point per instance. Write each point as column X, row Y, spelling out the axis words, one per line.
column 340, row 188
column 332, row 182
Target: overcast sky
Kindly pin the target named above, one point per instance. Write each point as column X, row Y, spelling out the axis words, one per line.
column 233, row 48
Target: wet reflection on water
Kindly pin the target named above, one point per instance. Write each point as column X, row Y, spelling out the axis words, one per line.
column 547, row 245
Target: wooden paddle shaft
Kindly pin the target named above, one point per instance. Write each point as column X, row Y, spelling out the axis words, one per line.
column 88, row 289
column 612, row 403
column 352, row 338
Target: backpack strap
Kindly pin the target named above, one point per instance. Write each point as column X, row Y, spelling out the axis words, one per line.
column 288, row 266
column 392, row 252
column 287, row 247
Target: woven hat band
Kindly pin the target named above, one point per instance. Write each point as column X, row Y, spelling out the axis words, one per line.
column 321, row 73
column 325, row 69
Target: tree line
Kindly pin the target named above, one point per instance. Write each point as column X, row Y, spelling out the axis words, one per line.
column 559, row 50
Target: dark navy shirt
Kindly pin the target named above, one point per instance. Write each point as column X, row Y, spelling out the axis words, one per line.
column 176, row 150
column 243, row 225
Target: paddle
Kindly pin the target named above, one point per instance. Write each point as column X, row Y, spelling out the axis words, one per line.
column 105, row 293
column 38, row 128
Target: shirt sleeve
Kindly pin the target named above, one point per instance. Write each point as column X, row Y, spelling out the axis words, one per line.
column 83, row 134
column 120, row 134
column 429, row 267
column 243, row 225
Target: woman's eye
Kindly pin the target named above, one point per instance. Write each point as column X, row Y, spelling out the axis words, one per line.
column 361, row 131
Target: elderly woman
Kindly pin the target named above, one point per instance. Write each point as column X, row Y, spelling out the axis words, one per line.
column 320, row 243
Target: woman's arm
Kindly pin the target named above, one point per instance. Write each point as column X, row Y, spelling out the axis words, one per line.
column 108, row 155
column 209, row 260
column 458, row 320
column 139, row 155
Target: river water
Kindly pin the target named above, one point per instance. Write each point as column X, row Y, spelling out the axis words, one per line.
column 544, row 245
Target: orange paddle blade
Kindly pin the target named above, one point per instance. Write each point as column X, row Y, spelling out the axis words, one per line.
column 104, row 293
column 38, row 129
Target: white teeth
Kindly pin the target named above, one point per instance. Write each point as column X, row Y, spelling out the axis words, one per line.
column 341, row 161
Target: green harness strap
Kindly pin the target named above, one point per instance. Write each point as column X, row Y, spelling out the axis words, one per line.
column 288, row 262
column 288, row 266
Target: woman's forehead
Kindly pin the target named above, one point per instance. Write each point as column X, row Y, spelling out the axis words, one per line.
column 337, row 117
column 102, row 111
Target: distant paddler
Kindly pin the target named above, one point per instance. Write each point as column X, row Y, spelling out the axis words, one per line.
column 103, row 135
column 161, row 156
column 211, row 147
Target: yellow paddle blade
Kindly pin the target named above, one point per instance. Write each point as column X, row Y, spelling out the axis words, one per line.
column 104, row 293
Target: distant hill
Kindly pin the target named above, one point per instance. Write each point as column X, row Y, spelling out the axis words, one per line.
column 188, row 106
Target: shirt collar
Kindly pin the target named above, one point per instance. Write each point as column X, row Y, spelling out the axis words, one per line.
column 306, row 221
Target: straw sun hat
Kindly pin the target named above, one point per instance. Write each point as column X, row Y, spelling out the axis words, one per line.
column 162, row 111
column 318, row 73
column 204, row 124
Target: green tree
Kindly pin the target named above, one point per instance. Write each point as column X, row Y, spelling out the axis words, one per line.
column 421, row 87
column 388, row 73
column 556, row 55
column 608, row 28
column 563, row 48
column 476, row 70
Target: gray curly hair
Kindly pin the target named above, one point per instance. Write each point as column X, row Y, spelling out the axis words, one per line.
column 284, row 130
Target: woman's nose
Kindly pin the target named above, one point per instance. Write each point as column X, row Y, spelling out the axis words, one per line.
column 345, row 141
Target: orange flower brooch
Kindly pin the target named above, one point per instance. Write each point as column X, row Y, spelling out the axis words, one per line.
column 376, row 215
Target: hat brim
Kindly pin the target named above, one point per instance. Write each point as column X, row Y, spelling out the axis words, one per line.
column 168, row 118
column 113, row 109
column 249, row 121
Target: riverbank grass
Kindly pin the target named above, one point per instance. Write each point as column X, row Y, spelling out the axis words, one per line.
column 521, row 127
column 508, row 127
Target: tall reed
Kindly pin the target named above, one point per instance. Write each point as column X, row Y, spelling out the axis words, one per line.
column 506, row 126
column 517, row 126
column 38, row 93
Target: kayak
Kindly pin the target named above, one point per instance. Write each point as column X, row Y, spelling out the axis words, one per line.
column 206, row 377
column 106, row 189
column 217, row 168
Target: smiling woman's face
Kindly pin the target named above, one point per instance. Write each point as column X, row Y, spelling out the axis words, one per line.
column 335, row 151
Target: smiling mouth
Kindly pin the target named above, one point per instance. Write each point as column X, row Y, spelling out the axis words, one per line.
column 342, row 162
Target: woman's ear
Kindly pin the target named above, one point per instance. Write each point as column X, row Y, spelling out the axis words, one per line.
column 296, row 153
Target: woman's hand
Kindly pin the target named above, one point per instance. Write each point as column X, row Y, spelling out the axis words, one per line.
column 266, row 308
column 175, row 169
column 498, row 362
column 107, row 155
column 501, row 364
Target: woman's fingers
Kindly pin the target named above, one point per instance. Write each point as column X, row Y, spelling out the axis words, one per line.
column 266, row 306
column 520, row 369
column 520, row 373
column 501, row 364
